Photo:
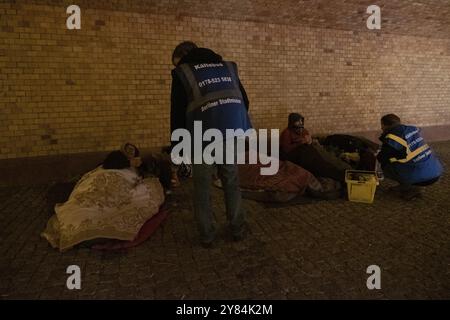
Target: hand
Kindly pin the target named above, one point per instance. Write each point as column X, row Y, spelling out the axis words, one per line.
column 174, row 181
column 136, row 162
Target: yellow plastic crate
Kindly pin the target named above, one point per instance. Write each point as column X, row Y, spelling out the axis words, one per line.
column 361, row 185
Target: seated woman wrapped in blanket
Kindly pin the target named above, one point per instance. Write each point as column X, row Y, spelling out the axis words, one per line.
column 297, row 146
column 328, row 157
column 315, row 168
column 112, row 201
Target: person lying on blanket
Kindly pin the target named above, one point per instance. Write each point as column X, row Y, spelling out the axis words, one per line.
column 110, row 202
column 155, row 164
column 297, row 146
column 358, row 151
column 289, row 182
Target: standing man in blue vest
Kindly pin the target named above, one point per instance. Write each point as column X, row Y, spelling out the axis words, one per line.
column 406, row 158
column 206, row 88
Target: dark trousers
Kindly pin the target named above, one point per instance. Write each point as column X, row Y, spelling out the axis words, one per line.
column 307, row 157
column 390, row 173
column 203, row 176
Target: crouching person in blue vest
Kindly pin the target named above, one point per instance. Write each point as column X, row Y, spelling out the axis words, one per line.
column 206, row 88
column 406, row 158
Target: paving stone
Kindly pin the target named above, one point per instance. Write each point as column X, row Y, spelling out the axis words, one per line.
column 319, row 250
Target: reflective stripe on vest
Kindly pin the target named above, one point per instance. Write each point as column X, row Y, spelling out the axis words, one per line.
column 198, row 99
column 409, row 155
column 399, row 140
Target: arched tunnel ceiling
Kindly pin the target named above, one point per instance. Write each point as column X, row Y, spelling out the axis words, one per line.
column 427, row 18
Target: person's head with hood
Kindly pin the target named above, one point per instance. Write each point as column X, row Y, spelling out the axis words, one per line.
column 296, row 122
column 182, row 50
column 389, row 121
column 132, row 153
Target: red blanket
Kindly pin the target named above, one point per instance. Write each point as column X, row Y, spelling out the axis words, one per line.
column 145, row 232
column 289, row 178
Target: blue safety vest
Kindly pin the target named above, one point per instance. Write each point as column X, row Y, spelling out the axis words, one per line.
column 419, row 164
column 214, row 96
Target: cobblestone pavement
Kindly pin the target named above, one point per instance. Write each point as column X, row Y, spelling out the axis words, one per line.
column 308, row 251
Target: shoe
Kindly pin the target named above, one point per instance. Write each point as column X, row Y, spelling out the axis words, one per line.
column 239, row 237
column 406, row 192
column 411, row 194
column 397, row 189
column 208, row 245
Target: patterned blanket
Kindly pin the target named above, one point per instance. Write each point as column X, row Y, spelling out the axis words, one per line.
column 111, row 204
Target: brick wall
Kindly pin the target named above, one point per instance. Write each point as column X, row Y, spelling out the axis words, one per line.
column 69, row 91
